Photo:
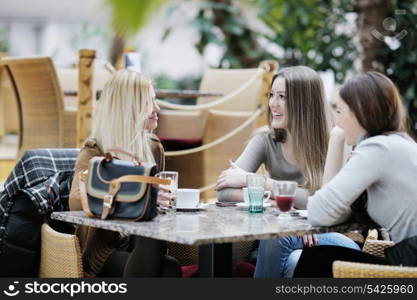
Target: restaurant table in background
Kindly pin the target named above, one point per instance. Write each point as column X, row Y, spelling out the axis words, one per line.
column 213, row 229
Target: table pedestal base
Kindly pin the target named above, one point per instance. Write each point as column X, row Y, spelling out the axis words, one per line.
column 215, row 260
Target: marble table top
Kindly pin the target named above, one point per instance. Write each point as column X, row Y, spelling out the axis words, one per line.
column 212, row 224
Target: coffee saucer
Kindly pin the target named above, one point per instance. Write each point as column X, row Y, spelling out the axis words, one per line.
column 246, row 205
column 200, row 206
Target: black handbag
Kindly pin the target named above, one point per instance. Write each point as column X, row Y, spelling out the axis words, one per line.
column 359, row 212
column 120, row 189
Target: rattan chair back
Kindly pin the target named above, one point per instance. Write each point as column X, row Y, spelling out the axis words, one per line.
column 40, row 103
column 60, row 254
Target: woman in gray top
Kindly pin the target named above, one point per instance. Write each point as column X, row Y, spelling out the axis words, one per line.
column 371, row 116
column 295, row 146
column 293, row 149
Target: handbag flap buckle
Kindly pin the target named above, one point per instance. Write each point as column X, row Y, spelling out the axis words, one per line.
column 108, row 199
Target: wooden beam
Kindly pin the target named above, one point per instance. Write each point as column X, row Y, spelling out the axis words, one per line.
column 6, row 166
column 85, row 94
column 2, row 115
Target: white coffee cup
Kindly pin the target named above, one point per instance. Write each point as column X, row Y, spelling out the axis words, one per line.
column 187, row 198
column 267, row 195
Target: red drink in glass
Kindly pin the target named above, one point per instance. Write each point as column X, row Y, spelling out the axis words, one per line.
column 284, row 203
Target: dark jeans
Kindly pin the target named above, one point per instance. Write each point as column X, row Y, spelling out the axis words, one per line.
column 147, row 259
column 317, row 261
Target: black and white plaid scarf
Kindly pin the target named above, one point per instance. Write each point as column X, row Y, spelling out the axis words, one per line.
column 45, row 176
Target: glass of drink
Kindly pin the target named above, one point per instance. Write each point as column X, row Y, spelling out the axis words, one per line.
column 173, row 176
column 256, row 188
column 284, row 193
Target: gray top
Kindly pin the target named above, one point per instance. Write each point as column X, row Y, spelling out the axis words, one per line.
column 212, row 224
column 386, row 167
column 262, row 149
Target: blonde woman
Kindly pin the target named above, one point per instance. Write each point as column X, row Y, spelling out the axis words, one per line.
column 294, row 148
column 125, row 117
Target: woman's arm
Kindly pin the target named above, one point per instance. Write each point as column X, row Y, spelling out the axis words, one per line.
column 231, row 180
column 331, row 204
column 335, row 154
column 301, row 198
column 230, row 195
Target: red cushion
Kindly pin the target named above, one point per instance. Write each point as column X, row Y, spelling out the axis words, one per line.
column 189, row 271
column 244, row 269
column 180, row 144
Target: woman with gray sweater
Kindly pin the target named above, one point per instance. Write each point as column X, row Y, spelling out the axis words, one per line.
column 371, row 116
column 294, row 148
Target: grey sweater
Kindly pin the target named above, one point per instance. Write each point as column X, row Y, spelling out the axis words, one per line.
column 386, row 167
column 262, row 149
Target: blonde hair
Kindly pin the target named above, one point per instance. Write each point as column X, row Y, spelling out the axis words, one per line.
column 307, row 122
column 121, row 114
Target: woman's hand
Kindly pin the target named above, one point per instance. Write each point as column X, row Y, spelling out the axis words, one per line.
column 234, row 177
column 310, row 240
column 165, row 197
column 337, row 134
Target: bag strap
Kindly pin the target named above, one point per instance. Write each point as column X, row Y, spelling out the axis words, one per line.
column 132, row 178
column 109, row 156
column 143, row 179
column 83, row 193
column 114, row 187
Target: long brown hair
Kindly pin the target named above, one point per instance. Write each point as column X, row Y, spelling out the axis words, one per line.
column 376, row 103
column 307, row 122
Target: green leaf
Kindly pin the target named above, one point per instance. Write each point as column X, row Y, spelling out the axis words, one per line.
column 129, row 16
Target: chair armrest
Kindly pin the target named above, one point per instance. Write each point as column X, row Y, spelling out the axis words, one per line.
column 345, row 269
column 69, row 128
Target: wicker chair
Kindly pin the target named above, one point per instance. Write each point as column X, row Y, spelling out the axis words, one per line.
column 216, row 159
column 190, row 124
column 60, row 255
column 345, row 269
column 43, row 121
column 9, row 122
column 188, row 255
column 198, row 125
